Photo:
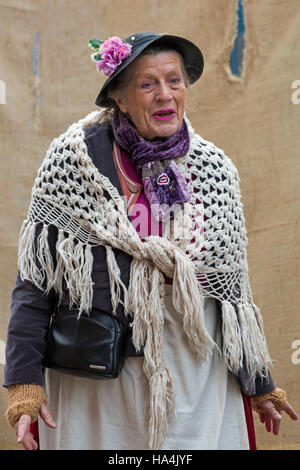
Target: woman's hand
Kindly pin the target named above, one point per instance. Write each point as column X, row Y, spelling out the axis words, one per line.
column 25, row 437
column 271, row 417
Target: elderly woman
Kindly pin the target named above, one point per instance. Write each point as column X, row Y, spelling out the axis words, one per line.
column 135, row 215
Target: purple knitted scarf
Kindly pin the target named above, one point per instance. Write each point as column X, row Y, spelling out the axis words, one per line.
column 164, row 184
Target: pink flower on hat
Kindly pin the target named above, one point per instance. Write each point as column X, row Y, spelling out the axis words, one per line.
column 111, row 54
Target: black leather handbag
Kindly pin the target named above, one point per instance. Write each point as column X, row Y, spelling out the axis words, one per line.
column 91, row 346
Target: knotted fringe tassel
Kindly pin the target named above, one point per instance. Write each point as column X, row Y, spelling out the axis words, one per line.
column 138, row 300
column 59, row 270
column 76, row 262
column 45, row 258
column 147, row 308
column 232, row 342
column 146, row 303
column 84, row 278
column 188, row 302
column 259, row 318
column 115, row 281
column 255, row 348
column 161, row 385
column 27, row 255
column 35, row 261
column 161, row 407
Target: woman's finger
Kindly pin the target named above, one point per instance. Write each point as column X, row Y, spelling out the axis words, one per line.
column 270, row 410
column 271, row 416
column 46, row 416
column 22, row 427
column 268, row 421
column 276, row 426
column 262, row 418
column 290, row 411
column 29, row 443
column 24, row 436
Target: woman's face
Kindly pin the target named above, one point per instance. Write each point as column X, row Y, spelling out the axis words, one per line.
column 156, row 95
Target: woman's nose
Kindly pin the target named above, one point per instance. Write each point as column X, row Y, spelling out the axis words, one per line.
column 163, row 93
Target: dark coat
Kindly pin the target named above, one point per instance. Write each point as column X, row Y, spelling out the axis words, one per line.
column 31, row 309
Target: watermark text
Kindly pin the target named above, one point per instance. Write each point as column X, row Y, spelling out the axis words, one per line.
column 2, row 92
column 296, row 95
column 296, row 354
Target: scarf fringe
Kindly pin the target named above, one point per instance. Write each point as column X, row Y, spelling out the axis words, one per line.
column 161, row 407
column 161, row 400
column 116, row 283
column 138, row 300
column 188, row 302
column 244, row 340
column 27, row 255
column 255, row 347
column 45, row 259
column 35, row 262
column 146, row 293
column 77, row 262
column 59, row 270
column 232, row 342
column 74, row 263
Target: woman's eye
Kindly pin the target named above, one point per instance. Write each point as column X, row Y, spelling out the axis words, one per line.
column 175, row 80
column 146, row 85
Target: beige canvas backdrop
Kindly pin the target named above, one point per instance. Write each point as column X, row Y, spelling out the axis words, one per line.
column 50, row 83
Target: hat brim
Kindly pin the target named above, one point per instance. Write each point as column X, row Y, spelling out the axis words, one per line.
column 191, row 54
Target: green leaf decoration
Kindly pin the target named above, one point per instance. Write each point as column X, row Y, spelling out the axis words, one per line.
column 96, row 57
column 95, row 44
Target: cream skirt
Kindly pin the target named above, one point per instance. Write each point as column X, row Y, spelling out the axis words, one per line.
column 111, row 414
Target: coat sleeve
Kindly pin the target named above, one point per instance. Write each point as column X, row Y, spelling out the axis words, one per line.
column 260, row 386
column 30, row 314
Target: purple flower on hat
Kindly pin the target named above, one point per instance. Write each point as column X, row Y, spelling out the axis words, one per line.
column 110, row 53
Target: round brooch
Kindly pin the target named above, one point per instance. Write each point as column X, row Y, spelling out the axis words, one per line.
column 163, row 179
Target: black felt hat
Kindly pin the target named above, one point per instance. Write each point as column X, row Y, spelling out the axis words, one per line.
column 191, row 54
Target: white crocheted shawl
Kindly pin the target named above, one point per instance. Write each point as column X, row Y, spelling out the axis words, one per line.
column 203, row 249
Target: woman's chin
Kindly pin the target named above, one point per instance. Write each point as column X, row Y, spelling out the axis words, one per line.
column 164, row 129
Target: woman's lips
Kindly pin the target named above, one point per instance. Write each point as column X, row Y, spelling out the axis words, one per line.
column 164, row 114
